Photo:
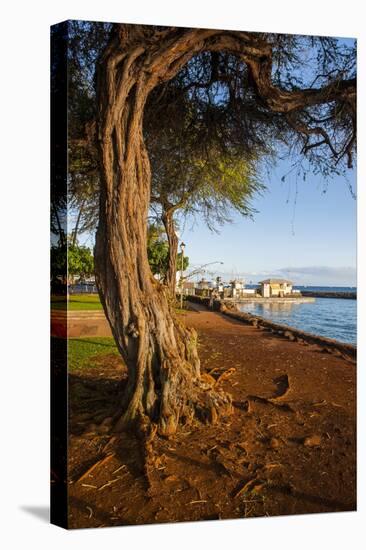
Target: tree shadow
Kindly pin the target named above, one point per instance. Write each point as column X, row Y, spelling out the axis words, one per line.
column 94, row 395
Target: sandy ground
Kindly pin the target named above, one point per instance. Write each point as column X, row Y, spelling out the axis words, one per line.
column 289, row 447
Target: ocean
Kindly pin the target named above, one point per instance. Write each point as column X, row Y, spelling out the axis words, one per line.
column 331, row 317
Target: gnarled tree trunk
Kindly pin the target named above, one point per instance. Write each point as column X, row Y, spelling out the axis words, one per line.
column 171, row 273
column 160, row 353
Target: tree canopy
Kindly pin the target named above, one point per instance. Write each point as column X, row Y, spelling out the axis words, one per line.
column 211, row 180
column 80, row 261
column 217, row 119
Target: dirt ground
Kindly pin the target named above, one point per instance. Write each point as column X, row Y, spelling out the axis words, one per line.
column 289, row 447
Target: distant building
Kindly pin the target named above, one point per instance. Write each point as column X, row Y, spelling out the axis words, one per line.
column 203, row 284
column 203, row 288
column 188, row 288
column 219, row 285
column 275, row 287
column 237, row 287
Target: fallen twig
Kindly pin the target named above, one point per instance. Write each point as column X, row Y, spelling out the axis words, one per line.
column 225, row 375
column 112, row 440
column 120, row 468
column 248, row 486
column 108, row 483
column 95, row 465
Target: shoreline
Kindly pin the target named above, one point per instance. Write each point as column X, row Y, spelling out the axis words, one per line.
column 93, row 323
column 293, row 334
column 273, row 300
column 330, row 345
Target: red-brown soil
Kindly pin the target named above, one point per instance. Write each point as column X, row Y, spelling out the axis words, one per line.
column 289, row 447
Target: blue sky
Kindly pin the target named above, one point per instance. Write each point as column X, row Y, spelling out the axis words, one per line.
column 310, row 238
column 300, row 232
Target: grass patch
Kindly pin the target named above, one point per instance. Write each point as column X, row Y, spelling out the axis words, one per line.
column 82, row 351
column 77, row 302
column 86, row 302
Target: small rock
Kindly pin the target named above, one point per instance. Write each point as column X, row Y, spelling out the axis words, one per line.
column 289, row 335
column 313, row 441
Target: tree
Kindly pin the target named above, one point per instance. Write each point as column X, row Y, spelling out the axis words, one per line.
column 176, row 123
column 164, row 384
column 208, row 182
column 73, row 260
column 158, row 253
column 80, row 261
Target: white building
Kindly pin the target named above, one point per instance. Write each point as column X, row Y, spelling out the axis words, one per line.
column 203, row 284
column 275, row 287
column 237, row 286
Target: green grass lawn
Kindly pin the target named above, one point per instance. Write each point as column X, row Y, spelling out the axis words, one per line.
column 77, row 302
column 82, row 351
column 84, row 302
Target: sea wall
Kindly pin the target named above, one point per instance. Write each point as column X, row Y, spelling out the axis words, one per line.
column 274, row 300
column 328, row 345
column 320, row 294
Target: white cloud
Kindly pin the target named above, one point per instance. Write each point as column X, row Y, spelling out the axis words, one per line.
column 305, row 275
column 321, row 275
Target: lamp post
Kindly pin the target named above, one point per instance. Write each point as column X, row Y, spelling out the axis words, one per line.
column 182, row 247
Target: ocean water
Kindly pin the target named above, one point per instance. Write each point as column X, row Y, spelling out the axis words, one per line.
column 330, row 317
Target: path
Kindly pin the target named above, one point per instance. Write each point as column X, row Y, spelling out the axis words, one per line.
column 288, row 448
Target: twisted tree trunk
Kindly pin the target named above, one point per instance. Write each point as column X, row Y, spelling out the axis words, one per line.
column 160, row 353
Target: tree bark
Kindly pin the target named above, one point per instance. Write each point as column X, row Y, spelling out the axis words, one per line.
column 171, row 274
column 164, row 382
column 160, row 353
column 76, row 228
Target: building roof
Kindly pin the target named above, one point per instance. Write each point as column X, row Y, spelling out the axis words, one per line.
column 188, row 284
column 275, row 281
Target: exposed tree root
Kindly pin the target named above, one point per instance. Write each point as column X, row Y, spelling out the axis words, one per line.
column 270, row 401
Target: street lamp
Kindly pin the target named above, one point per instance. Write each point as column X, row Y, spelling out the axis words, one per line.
column 182, row 247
